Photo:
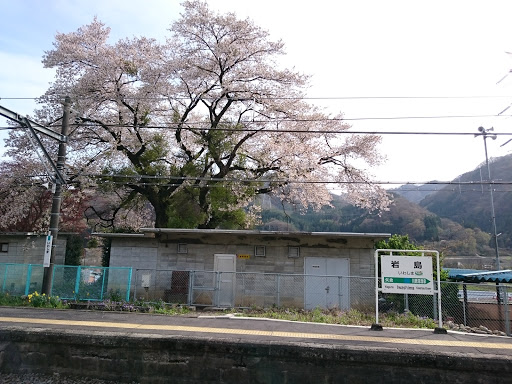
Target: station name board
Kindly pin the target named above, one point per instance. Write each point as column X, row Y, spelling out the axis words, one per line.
column 407, row 274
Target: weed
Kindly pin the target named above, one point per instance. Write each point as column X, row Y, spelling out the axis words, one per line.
column 172, row 310
column 115, row 295
column 317, row 315
column 406, row 319
column 42, row 300
column 338, row 316
column 10, row 300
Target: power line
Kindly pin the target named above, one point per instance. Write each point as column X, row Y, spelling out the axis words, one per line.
column 280, row 130
column 316, row 120
column 313, row 97
column 414, row 184
column 163, row 181
column 295, row 181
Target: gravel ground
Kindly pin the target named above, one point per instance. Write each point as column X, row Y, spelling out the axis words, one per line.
column 37, row 378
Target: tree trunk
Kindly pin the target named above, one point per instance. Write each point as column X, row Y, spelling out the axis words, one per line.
column 161, row 213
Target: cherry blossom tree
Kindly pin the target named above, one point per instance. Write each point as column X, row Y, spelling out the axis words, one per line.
column 25, row 200
column 200, row 124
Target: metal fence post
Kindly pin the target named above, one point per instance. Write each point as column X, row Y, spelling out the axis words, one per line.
column 465, row 304
column 29, row 275
column 128, row 286
column 242, row 299
column 5, row 277
column 506, row 308
column 77, row 281
column 216, row 294
column 135, row 287
column 278, row 282
column 434, row 296
column 190, row 287
column 340, row 293
column 103, row 283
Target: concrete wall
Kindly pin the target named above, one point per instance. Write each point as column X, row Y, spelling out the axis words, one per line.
column 29, row 249
column 164, row 359
column 163, row 253
column 195, row 252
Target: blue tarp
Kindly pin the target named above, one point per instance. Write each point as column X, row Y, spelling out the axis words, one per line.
column 480, row 276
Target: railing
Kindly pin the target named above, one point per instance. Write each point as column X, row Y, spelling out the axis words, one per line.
column 479, row 306
column 245, row 289
column 21, row 279
column 69, row 282
column 485, row 306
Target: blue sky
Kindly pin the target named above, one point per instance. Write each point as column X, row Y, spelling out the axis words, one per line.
column 352, row 49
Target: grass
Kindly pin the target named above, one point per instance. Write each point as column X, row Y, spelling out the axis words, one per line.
column 33, row 300
column 337, row 316
column 317, row 315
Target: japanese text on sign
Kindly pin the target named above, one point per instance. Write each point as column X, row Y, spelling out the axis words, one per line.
column 407, row 274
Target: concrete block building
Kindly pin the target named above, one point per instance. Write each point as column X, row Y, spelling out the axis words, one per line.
column 21, row 260
column 28, row 248
column 242, row 268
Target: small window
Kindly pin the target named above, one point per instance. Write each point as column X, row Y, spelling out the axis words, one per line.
column 259, row 251
column 293, row 252
column 182, row 248
column 4, row 247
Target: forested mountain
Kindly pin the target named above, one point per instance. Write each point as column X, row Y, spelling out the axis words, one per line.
column 403, row 217
column 470, row 203
column 455, row 220
column 417, row 192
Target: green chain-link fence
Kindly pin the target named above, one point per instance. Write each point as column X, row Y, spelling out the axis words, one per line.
column 69, row 282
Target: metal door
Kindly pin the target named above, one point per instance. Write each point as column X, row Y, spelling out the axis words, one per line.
column 225, row 268
column 327, row 283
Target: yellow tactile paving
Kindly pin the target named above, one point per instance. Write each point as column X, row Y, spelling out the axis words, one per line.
column 277, row 334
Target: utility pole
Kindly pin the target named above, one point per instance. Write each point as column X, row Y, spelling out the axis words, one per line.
column 59, row 179
column 485, row 133
column 57, row 198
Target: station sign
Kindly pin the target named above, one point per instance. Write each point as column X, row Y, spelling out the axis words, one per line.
column 47, row 250
column 407, row 274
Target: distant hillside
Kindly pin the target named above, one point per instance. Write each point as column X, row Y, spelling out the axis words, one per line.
column 455, row 220
column 470, row 204
column 417, row 192
column 404, row 218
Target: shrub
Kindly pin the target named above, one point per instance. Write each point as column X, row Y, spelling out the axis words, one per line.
column 37, row 300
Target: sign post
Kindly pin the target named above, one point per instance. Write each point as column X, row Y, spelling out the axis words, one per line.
column 48, row 250
column 407, row 272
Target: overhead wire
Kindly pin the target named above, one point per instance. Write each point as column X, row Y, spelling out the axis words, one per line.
column 414, row 184
column 292, row 181
column 317, row 97
column 283, row 130
column 343, row 119
column 347, row 131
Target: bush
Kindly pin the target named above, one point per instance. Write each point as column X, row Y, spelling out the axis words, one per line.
column 37, row 300
column 74, row 250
